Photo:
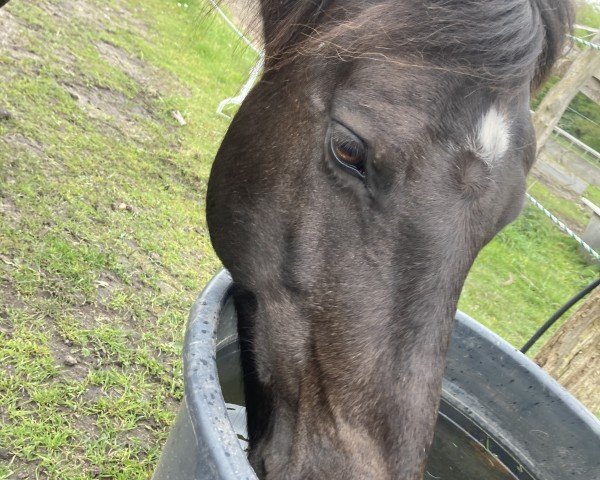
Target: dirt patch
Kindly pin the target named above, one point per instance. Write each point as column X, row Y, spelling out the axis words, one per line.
column 72, row 365
column 153, row 82
column 9, row 212
column 107, row 285
column 103, row 103
column 15, row 37
column 9, row 299
column 92, row 394
column 138, row 435
column 82, row 12
column 558, row 190
column 22, row 470
column 9, row 28
column 111, row 109
column 20, row 141
column 105, row 18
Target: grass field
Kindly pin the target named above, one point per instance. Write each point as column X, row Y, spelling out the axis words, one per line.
column 103, row 243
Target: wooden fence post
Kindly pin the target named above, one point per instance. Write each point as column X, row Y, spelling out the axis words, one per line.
column 557, row 99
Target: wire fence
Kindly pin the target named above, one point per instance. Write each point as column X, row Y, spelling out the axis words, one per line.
column 232, row 25
column 564, row 228
column 578, row 147
column 254, row 72
column 582, row 41
column 587, row 119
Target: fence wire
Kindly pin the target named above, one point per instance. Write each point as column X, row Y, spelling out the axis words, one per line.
column 593, row 45
column 564, row 228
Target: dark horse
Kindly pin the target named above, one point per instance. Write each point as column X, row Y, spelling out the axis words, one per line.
column 387, row 142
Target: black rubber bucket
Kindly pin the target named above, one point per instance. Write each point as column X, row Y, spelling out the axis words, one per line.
column 501, row 416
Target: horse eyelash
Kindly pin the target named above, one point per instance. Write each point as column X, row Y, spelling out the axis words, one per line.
column 355, row 145
column 351, row 146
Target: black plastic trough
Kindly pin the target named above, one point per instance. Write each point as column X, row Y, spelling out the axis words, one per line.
column 501, row 416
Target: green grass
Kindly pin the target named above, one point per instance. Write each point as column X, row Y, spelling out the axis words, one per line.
column 80, row 276
column 103, row 242
column 592, row 193
column 575, row 215
column 587, row 14
column 523, row 276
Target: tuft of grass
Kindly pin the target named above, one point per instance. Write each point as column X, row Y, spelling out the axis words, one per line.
column 592, row 193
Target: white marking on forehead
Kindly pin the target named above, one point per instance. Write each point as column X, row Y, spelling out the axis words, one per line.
column 493, row 135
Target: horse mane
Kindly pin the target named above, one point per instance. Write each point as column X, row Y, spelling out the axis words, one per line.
column 502, row 42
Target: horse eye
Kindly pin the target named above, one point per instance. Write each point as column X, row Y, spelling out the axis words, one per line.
column 349, row 151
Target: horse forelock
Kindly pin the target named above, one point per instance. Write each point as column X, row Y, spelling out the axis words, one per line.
column 502, row 43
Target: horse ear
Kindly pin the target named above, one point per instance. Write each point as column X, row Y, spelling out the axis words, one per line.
column 557, row 20
column 286, row 23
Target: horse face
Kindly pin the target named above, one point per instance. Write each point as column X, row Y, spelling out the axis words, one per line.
column 370, row 181
column 348, row 200
column 351, row 205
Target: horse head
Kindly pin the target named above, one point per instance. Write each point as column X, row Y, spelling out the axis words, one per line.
column 386, row 143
